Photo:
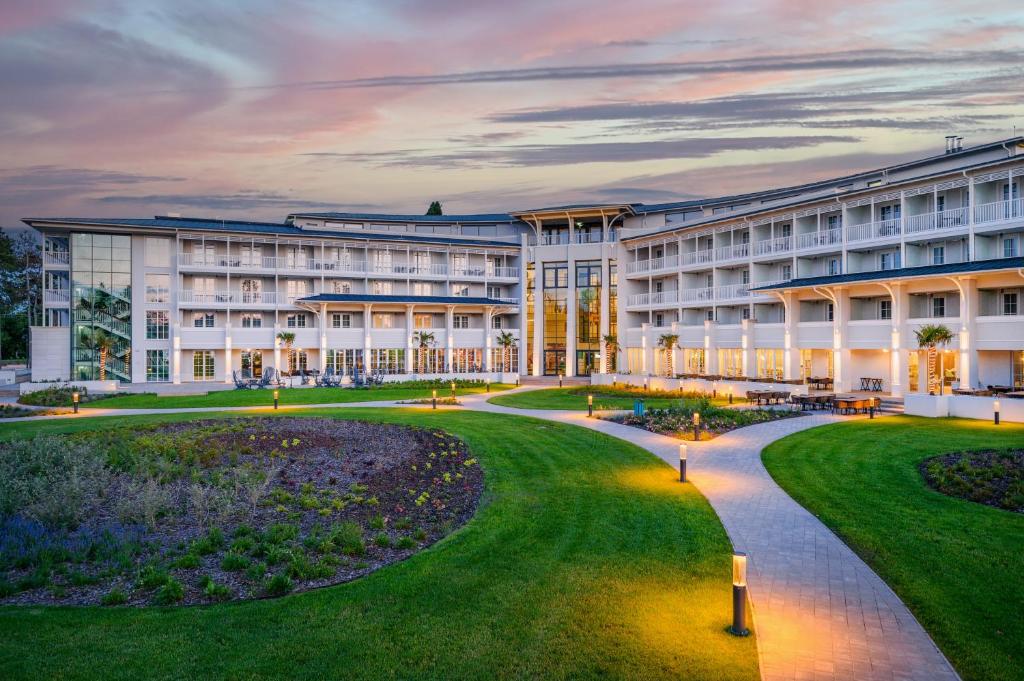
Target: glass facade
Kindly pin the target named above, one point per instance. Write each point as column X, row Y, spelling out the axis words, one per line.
column 770, row 363
column 531, row 297
column 101, row 339
column 613, row 311
column 556, row 293
column 588, row 316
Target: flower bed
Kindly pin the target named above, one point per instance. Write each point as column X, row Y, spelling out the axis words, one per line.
column 677, row 420
column 203, row 511
column 992, row 478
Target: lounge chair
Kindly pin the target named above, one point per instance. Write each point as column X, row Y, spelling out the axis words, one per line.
column 240, row 383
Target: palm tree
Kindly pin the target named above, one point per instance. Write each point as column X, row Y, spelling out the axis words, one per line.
column 611, row 349
column 506, row 341
column 423, row 340
column 99, row 341
column 668, row 341
column 288, row 338
column 930, row 336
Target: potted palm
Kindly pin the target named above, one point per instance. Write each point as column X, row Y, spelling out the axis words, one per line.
column 287, row 339
column 506, row 341
column 611, row 349
column 668, row 342
column 423, row 340
column 930, row 337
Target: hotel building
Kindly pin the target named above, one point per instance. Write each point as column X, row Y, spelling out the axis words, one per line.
column 830, row 278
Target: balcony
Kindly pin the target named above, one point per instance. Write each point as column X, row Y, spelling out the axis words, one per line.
column 734, row 252
column 702, row 296
column 652, row 265
column 999, row 211
column 56, row 296
column 732, row 292
column 56, row 258
column 670, row 297
column 926, row 223
column 812, row 240
column 782, row 244
column 698, row 258
column 225, row 298
column 879, row 229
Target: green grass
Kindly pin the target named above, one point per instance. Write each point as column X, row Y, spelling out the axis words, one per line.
column 587, row 559
column 265, row 397
column 955, row 563
column 576, row 399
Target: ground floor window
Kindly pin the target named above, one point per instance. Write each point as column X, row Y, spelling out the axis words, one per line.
column 157, row 366
column 252, row 364
column 466, row 360
column 345, row 362
column 202, row 365
column 635, row 360
column 694, row 361
column 503, row 359
column 298, row 360
column 387, row 360
column 428, row 360
column 770, row 363
column 730, row 362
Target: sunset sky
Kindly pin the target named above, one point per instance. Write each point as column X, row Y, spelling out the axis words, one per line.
column 255, row 109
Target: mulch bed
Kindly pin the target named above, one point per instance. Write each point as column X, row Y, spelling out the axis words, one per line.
column 993, row 478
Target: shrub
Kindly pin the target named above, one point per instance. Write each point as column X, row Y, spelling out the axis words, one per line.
column 210, row 543
column 278, row 585
column 214, row 591
column 279, row 533
column 405, row 542
column 114, row 597
column 233, row 562
column 171, row 592
column 256, row 571
column 150, row 577
column 54, row 396
column 348, row 537
column 187, row 562
column 382, row 540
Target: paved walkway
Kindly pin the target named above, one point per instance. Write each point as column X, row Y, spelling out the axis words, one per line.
column 819, row 611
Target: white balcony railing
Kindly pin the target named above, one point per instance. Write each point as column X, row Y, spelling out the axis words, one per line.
column 734, row 252
column 698, row 257
column 731, row 291
column 879, row 229
column 56, row 295
column 826, row 237
column 554, row 239
column 929, row 222
column 693, row 295
column 230, row 297
column 999, row 211
column 56, row 257
column 781, row 244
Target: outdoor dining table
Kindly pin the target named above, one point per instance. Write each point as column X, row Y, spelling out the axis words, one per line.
column 1017, row 394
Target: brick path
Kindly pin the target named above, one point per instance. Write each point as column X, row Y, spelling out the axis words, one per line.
column 820, row 612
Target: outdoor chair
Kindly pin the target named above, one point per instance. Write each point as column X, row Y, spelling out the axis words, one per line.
column 240, row 383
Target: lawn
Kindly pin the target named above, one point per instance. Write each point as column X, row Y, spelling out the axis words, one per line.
column 586, row 559
column 955, row 563
column 576, row 399
column 265, row 397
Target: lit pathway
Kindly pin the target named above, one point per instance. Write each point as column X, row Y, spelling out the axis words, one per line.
column 819, row 611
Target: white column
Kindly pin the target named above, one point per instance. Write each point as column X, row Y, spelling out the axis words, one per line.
column 228, row 360
column 409, row 345
column 605, row 310
column 749, row 358
column 488, row 338
column 968, row 323
column 570, row 319
column 277, row 347
column 899, row 355
column 710, row 348
column 323, row 337
column 367, row 338
column 791, row 337
column 647, row 357
column 449, row 337
column 842, row 359
column 538, row 319
column 175, row 354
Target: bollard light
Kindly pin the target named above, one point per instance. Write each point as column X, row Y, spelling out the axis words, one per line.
column 453, row 388
column 730, row 395
column 995, row 412
column 615, row 379
column 433, row 400
column 487, row 385
column 517, row 381
column 559, row 380
column 682, row 462
column 590, row 406
column 696, row 426
column 739, row 595
column 74, row 400
column 276, row 396
column 645, row 384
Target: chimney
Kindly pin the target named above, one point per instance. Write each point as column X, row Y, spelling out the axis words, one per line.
column 959, row 144
column 950, row 143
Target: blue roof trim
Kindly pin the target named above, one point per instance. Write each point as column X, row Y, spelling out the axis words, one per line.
column 201, row 224
column 503, row 218
column 369, row 298
column 902, row 273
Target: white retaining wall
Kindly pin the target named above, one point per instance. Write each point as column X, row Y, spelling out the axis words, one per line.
column 701, row 385
column 964, row 406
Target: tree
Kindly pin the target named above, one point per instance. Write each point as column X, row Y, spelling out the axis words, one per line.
column 423, row 341
column 435, row 208
column 506, row 341
column 99, row 341
column 930, row 336
column 20, row 291
column 611, row 349
column 668, row 341
column 288, row 338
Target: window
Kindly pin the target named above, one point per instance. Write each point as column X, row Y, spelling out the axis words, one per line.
column 296, row 320
column 494, row 292
column 203, row 320
column 387, row 360
column 460, row 262
column 885, row 309
column 745, row 277
column 422, row 288
column 383, row 320
column 157, row 325
column 252, row 320
column 940, row 204
column 659, row 319
column 886, row 261
column 1009, row 303
column 251, row 291
column 1010, row 247
column 938, row 255
column 830, row 312
column 496, row 322
column 341, row 320
column 460, row 290
column 338, row 286
column 157, row 368
column 835, row 221
column 834, row 267
column 938, row 307
column 460, row 321
column 158, row 252
column 659, row 286
column 298, row 361
column 423, row 321
column 203, row 365
column 252, row 364
column 745, row 313
column 381, row 288
column 296, row 289
column 158, row 288
column 787, row 272
column 345, row 362
column 709, row 315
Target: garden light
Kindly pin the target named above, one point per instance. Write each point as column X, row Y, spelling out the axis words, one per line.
column 559, row 380
column 696, row 426
column 453, row 388
column 645, row 384
column 590, row 406
column 739, row 595
column 995, row 412
column 730, row 395
column 487, row 385
column 74, row 400
column 615, row 379
column 433, row 400
column 277, row 395
column 682, row 462
column 517, row 381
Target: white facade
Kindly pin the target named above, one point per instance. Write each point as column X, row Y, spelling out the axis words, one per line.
column 564, row 279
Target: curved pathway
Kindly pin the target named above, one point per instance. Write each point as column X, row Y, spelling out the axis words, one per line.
column 819, row 611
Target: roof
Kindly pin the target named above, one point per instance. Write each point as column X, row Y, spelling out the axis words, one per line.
column 251, row 227
column 368, row 298
column 902, row 273
column 435, row 219
column 577, row 207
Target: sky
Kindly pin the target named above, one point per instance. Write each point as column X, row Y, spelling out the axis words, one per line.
column 259, row 108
